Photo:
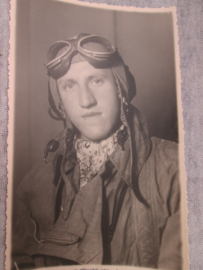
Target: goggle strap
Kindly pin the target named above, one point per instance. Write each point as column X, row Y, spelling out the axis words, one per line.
column 52, row 49
column 54, row 63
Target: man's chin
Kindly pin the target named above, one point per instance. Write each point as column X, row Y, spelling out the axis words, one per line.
column 96, row 135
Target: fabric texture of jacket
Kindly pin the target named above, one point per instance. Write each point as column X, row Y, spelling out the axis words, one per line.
column 60, row 224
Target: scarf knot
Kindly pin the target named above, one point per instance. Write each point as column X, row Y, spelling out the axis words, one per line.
column 91, row 155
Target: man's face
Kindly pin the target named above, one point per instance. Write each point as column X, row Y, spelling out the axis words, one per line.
column 90, row 99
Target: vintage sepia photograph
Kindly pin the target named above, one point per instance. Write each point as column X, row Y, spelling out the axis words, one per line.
column 96, row 168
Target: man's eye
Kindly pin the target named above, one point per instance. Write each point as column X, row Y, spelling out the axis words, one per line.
column 97, row 82
column 69, row 86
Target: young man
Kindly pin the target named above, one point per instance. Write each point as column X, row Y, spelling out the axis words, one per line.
column 107, row 194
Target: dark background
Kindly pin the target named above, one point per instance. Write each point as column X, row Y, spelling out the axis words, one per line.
column 145, row 41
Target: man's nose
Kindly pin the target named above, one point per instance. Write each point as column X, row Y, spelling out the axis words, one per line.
column 86, row 98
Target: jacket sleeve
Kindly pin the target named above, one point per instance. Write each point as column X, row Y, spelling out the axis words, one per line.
column 24, row 242
column 23, row 231
column 23, row 236
column 169, row 188
column 170, row 250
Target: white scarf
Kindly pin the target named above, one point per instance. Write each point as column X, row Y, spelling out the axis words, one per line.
column 91, row 155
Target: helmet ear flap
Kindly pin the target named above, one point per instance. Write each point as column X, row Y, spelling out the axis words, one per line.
column 61, row 110
column 54, row 101
column 131, row 83
column 56, row 104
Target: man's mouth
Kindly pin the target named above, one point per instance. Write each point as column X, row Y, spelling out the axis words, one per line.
column 91, row 114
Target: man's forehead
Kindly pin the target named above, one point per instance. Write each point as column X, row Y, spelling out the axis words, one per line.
column 83, row 70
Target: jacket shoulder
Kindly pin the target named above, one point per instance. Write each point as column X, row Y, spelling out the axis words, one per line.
column 160, row 172
column 164, row 163
column 39, row 178
column 161, row 144
column 165, row 151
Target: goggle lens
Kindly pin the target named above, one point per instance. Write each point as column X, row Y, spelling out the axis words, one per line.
column 96, row 45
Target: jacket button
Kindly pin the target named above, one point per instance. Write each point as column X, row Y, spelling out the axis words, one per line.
column 61, row 208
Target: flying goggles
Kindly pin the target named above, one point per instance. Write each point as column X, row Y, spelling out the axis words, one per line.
column 98, row 51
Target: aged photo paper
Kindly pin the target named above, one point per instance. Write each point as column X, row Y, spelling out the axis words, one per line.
column 96, row 176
